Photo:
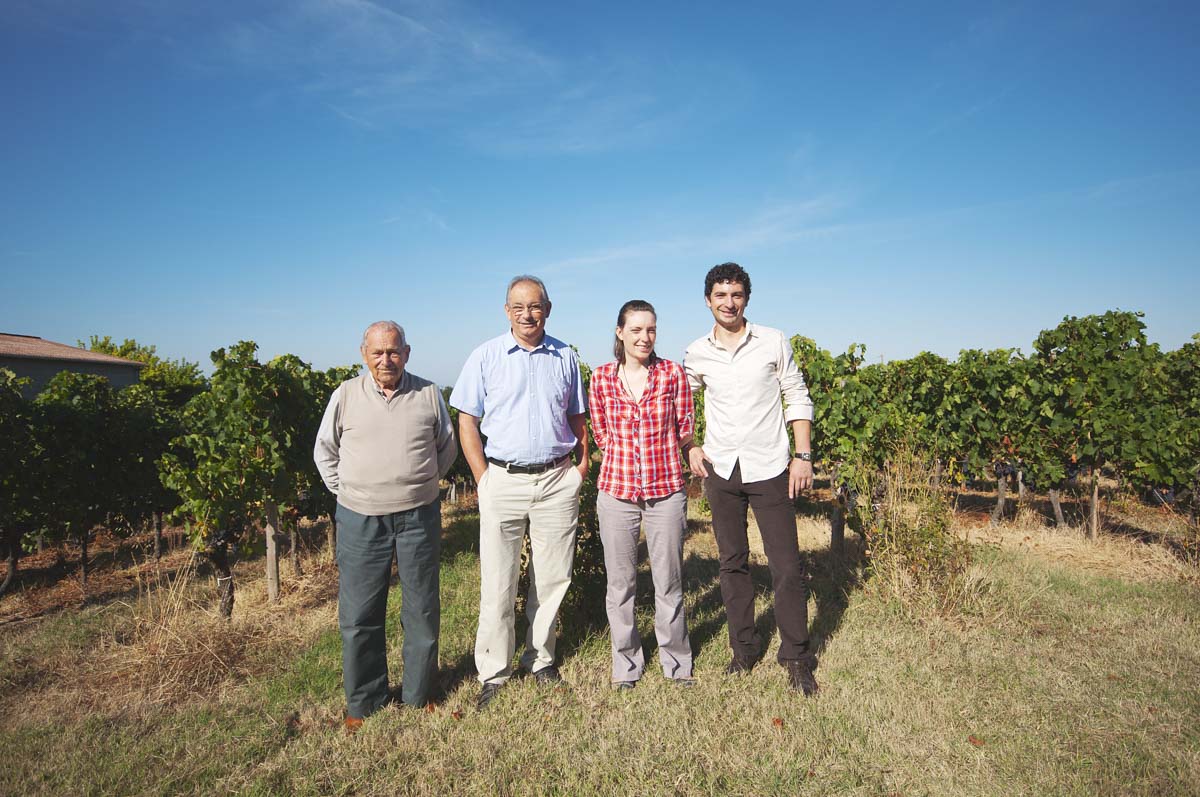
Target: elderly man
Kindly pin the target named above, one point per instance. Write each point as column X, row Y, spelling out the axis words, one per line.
column 744, row 368
column 384, row 442
column 523, row 390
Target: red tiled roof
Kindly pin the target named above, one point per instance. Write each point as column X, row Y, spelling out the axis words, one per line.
column 30, row 347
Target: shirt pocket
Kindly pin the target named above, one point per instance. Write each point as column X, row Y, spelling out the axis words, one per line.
column 660, row 410
column 558, row 386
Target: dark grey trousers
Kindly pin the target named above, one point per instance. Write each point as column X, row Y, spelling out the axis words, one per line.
column 776, row 516
column 365, row 547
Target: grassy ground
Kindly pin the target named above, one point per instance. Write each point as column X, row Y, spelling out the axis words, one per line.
column 1073, row 671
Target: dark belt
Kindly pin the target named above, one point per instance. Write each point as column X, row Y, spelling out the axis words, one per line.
column 512, row 467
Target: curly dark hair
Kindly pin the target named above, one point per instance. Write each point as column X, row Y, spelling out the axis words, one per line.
column 726, row 272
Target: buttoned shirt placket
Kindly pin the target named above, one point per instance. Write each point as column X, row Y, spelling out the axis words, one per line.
column 729, row 356
column 647, row 391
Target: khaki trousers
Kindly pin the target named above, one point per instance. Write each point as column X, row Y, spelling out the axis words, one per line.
column 549, row 503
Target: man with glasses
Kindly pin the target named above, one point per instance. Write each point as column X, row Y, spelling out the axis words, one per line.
column 523, row 392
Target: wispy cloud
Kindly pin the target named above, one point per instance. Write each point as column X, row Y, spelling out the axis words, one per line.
column 447, row 66
column 778, row 224
column 371, row 58
column 829, row 215
column 416, row 212
column 1145, row 188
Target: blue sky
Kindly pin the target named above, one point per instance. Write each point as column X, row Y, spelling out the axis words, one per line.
column 917, row 176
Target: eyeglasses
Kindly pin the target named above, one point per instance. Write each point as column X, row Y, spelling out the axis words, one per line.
column 534, row 309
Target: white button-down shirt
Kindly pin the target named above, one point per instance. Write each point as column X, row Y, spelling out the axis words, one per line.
column 744, row 418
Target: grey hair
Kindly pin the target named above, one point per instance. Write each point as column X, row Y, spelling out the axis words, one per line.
column 390, row 325
column 517, row 280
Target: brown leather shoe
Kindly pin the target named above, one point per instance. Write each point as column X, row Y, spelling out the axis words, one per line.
column 738, row 665
column 352, row 724
column 800, row 676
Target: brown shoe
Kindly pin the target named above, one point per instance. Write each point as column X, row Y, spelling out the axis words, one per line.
column 738, row 665
column 352, row 724
column 800, row 676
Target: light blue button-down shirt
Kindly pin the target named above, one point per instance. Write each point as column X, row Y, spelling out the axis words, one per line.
column 524, row 398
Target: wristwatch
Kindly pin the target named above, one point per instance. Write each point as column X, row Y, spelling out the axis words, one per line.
column 804, row 455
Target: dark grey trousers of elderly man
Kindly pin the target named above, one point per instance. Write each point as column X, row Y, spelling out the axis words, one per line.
column 366, row 545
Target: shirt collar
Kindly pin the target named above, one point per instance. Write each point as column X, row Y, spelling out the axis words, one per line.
column 712, row 335
column 399, row 385
column 513, row 345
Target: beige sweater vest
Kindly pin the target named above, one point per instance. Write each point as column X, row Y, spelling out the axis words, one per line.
column 392, row 452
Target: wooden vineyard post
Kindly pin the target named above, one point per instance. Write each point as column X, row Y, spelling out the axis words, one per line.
column 83, row 562
column 1056, row 503
column 218, row 554
column 272, row 532
column 837, row 525
column 294, row 547
column 1094, row 510
column 158, row 538
column 1001, row 496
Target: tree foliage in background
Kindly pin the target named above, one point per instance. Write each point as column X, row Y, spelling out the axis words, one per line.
column 80, row 453
column 246, row 453
column 19, row 484
column 173, row 382
column 854, row 427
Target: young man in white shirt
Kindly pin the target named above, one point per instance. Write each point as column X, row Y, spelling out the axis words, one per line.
column 744, row 369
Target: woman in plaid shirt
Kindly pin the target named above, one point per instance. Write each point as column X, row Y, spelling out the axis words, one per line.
column 641, row 411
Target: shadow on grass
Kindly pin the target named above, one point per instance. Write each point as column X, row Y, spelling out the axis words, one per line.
column 832, row 578
column 460, row 534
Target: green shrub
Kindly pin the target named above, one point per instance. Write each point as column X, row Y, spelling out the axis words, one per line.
column 912, row 550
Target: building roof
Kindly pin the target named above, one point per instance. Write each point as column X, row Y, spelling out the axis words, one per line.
column 34, row 348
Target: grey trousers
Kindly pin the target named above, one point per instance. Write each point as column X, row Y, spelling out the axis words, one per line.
column 365, row 547
column 620, row 524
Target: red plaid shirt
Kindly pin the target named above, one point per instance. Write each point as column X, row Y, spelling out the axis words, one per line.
column 641, row 439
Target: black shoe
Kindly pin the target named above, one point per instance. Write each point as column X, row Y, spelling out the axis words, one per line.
column 548, row 676
column 487, row 694
column 800, row 676
column 738, row 665
column 684, row 683
column 624, row 686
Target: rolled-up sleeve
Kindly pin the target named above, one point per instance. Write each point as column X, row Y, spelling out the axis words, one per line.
column 327, row 451
column 447, row 447
column 598, row 412
column 791, row 385
column 685, row 407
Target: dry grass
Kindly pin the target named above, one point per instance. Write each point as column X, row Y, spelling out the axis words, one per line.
column 177, row 648
column 168, row 646
column 1118, row 556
